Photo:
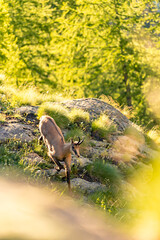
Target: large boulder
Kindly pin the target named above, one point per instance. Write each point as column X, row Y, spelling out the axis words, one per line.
column 95, row 107
column 26, row 110
column 18, row 131
column 86, row 187
column 29, row 112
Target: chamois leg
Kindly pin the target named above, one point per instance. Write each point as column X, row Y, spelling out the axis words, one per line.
column 68, row 177
column 59, row 166
column 40, row 139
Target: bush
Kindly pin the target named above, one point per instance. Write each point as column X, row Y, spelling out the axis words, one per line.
column 102, row 127
column 105, row 173
column 56, row 111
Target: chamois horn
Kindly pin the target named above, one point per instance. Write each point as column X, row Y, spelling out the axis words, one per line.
column 80, row 141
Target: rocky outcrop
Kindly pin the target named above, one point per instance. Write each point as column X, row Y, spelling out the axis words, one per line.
column 33, row 159
column 16, row 131
column 95, row 107
column 119, row 149
column 81, row 162
column 86, row 187
column 27, row 110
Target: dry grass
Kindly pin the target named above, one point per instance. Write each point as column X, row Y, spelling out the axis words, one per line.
column 28, row 96
column 125, row 110
column 56, row 111
column 103, row 126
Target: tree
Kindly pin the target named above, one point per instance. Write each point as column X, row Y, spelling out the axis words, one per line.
column 97, row 47
column 8, row 48
column 32, row 27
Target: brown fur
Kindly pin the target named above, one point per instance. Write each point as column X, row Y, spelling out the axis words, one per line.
column 58, row 150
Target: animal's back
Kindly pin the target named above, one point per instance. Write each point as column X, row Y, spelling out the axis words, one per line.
column 51, row 131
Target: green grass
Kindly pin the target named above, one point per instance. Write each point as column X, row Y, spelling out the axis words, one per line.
column 27, row 96
column 152, row 138
column 105, row 173
column 79, row 116
column 109, row 202
column 74, row 133
column 59, row 113
column 10, row 155
column 102, row 127
column 112, row 200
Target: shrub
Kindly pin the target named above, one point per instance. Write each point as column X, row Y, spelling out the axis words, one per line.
column 102, row 127
column 105, row 173
column 56, row 111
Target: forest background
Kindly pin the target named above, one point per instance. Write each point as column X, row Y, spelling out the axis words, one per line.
column 84, row 49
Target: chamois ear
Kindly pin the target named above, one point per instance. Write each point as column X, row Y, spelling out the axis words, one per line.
column 72, row 141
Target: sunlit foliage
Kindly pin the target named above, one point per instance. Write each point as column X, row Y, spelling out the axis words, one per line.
column 82, row 49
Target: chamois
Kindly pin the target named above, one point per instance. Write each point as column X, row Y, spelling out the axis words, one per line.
column 58, row 150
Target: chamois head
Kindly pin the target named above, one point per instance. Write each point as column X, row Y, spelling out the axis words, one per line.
column 75, row 146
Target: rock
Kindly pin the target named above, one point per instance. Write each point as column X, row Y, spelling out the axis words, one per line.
column 47, row 172
column 33, row 159
column 25, row 110
column 62, row 173
column 99, row 150
column 86, row 187
column 98, row 144
column 29, row 112
column 18, row 131
column 81, row 161
column 96, row 107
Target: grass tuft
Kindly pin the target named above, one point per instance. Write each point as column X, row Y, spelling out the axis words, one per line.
column 59, row 113
column 105, row 172
column 154, row 135
column 107, row 201
column 27, row 96
column 79, row 116
column 102, row 127
column 74, row 133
